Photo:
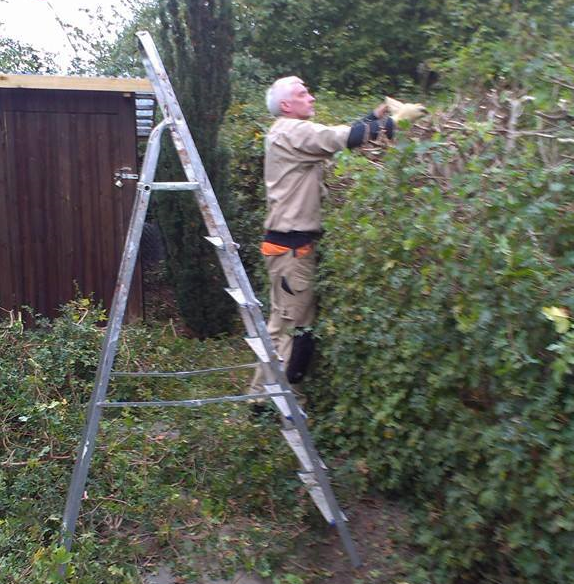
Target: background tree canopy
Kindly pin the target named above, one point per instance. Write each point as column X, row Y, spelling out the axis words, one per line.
column 366, row 47
column 17, row 57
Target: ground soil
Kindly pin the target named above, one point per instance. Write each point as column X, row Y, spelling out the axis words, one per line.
column 379, row 530
column 160, row 304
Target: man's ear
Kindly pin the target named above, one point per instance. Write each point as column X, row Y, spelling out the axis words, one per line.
column 285, row 106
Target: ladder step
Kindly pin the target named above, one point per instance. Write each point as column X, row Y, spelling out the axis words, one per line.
column 318, row 496
column 294, row 440
column 216, row 241
column 174, row 186
column 281, row 402
column 258, row 348
column 237, row 295
column 188, row 403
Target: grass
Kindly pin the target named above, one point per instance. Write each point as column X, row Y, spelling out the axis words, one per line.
column 206, row 492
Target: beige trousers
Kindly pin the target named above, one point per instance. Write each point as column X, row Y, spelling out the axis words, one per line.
column 293, row 303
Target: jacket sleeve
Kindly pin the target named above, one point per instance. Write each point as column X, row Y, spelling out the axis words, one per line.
column 310, row 140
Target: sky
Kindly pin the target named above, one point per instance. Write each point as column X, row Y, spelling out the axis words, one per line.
column 34, row 22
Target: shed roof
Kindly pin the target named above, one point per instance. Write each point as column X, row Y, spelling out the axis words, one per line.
column 75, row 83
column 142, row 88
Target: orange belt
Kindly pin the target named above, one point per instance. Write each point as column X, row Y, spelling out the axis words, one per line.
column 273, row 249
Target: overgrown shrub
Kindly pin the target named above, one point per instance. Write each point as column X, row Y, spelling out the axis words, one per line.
column 195, row 487
column 440, row 371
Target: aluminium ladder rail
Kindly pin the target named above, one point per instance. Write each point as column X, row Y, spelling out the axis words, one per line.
column 313, row 471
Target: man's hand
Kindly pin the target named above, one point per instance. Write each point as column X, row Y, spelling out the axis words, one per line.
column 393, row 105
column 400, row 111
column 409, row 112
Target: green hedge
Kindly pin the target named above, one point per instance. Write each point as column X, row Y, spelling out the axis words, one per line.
column 445, row 338
column 440, row 370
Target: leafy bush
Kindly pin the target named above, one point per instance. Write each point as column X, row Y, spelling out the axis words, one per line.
column 440, row 372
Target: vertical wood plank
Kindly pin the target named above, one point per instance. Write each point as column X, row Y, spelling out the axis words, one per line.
column 24, row 183
column 15, row 244
column 88, row 236
column 7, row 298
column 65, row 222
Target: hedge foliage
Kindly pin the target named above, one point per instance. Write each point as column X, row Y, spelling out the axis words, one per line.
column 446, row 334
column 446, row 342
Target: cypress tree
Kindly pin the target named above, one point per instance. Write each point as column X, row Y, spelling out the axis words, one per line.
column 196, row 40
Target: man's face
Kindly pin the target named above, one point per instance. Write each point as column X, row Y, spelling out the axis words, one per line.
column 300, row 104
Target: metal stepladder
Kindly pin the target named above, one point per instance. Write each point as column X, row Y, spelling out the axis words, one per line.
column 313, row 471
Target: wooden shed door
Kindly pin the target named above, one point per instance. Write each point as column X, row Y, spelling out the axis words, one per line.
column 62, row 219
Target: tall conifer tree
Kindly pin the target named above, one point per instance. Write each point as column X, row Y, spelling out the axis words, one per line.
column 197, row 47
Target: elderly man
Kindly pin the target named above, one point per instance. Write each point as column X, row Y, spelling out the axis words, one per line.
column 295, row 152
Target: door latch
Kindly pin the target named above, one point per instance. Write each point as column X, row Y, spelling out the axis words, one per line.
column 124, row 173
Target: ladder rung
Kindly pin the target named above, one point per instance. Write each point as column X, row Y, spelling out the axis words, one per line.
column 258, row 348
column 187, row 403
column 281, row 402
column 318, row 496
column 181, row 374
column 218, row 242
column 296, row 443
column 174, row 186
column 239, row 297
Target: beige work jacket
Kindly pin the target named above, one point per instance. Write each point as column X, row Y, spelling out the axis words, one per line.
column 295, row 151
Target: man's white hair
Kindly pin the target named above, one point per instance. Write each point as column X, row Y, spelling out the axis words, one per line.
column 280, row 90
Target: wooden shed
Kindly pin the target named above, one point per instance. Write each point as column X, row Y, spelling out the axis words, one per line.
column 63, row 213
